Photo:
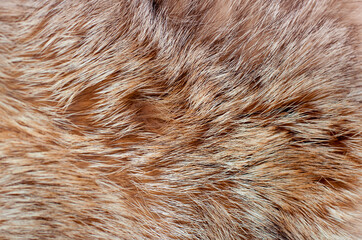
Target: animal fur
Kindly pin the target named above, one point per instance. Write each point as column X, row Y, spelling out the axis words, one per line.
column 192, row 119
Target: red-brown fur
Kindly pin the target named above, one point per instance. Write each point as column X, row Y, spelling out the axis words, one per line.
column 163, row 119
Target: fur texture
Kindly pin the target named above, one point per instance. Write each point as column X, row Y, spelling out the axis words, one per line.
column 161, row 119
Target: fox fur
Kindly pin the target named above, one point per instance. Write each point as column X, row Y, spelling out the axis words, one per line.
column 189, row 119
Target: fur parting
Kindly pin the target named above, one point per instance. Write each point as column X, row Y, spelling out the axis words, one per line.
column 190, row 119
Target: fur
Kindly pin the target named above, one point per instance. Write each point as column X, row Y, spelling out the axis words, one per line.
column 161, row 119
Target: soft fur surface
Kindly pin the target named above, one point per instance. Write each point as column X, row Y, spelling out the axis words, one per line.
column 191, row 119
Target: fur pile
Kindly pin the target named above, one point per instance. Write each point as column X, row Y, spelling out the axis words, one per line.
column 192, row 119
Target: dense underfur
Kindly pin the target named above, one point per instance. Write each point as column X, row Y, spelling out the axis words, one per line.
column 192, row 119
